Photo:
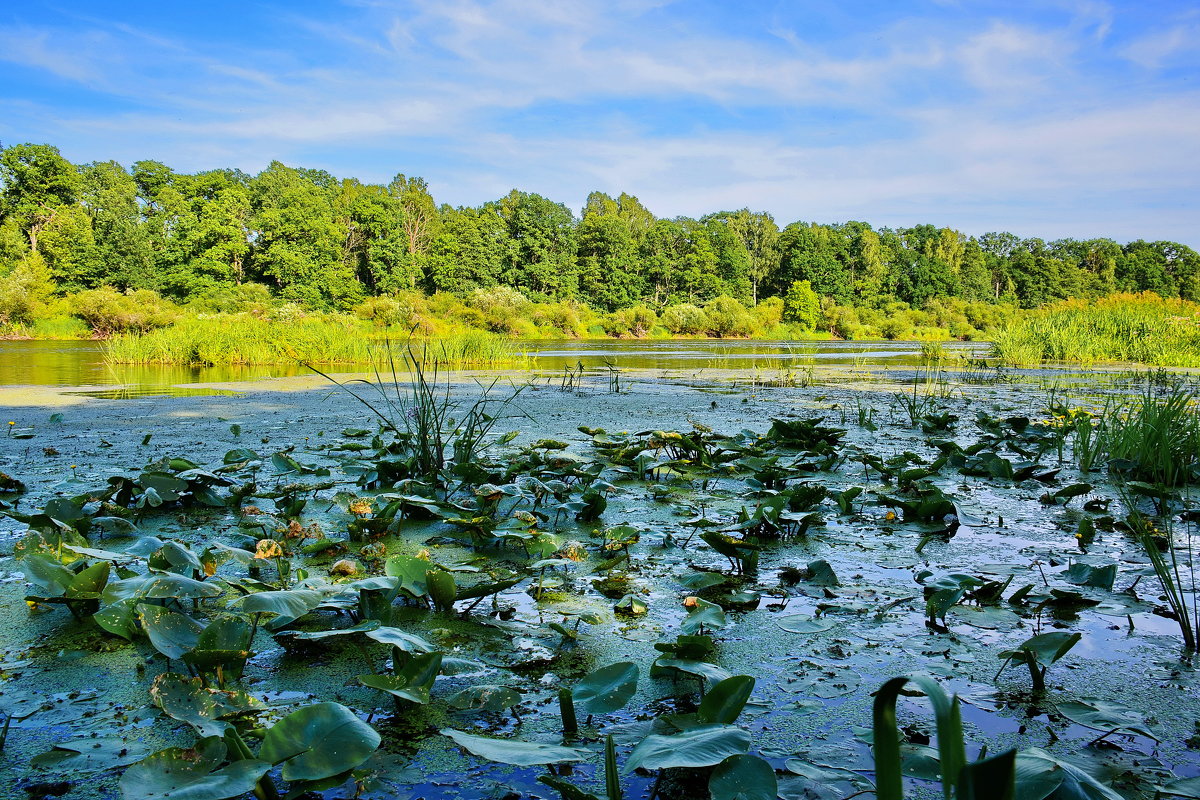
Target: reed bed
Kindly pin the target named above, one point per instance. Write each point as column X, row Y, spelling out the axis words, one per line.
column 1141, row 328
column 222, row 340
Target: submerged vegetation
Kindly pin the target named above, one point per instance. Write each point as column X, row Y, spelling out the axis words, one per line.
column 687, row 612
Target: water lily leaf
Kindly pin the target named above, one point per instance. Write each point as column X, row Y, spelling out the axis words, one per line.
column 724, row 702
column 701, row 615
column 414, row 681
column 64, row 509
column 287, row 606
column 408, row 642
column 821, row 574
column 189, row 700
column 442, row 589
column 1082, row 574
column 672, row 667
column 485, row 697
column 702, row 746
column 366, row 626
column 119, row 618
column 239, row 455
column 1184, row 787
column 608, row 688
column 743, row 777
column 114, row 525
column 512, row 751
column 1041, row 775
column 171, row 634
column 319, row 741
column 87, row 756
column 178, row 774
column 699, row 581
column 411, row 572
column 1045, row 648
column 801, row 623
column 47, row 574
column 225, row 643
column 1105, row 716
column 162, row 585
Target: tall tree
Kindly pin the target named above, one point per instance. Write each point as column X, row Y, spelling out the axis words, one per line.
column 36, row 184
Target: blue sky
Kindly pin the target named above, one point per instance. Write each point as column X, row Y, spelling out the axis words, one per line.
column 1072, row 118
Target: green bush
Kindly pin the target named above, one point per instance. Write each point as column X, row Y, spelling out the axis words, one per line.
column 802, row 306
column 108, row 311
column 727, row 317
column 684, row 320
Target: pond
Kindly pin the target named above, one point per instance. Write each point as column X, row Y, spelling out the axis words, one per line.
column 82, row 363
column 642, row 546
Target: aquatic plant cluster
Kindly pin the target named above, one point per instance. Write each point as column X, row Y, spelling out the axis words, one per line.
column 685, row 612
column 1141, row 328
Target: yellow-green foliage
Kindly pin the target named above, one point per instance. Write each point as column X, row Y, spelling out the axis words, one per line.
column 1141, row 328
column 294, row 336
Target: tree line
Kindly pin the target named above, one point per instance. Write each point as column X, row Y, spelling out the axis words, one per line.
column 329, row 243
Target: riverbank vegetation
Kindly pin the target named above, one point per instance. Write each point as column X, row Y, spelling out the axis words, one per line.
column 1143, row 328
column 98, row 250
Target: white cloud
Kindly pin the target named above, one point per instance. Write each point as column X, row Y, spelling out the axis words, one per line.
column 1157, row 49
column 978, row 122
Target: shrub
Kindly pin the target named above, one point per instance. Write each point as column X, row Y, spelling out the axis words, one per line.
column 684, row 319
column 108, row 311
column 25, row 290
column 728, row 317
column 636, row 321
column 801, row 305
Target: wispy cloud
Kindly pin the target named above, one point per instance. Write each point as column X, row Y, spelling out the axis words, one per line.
column 1058, row 118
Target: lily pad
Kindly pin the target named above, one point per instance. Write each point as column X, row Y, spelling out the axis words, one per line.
column 514, row 752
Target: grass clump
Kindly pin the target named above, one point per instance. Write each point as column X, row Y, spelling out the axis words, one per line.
column 1142, row 328
column 1153, row 438
column 227, row 339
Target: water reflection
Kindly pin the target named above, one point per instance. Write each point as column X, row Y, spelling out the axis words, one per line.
column 76, row 363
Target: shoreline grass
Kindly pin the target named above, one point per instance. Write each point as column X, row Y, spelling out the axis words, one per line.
column 1139, row 328
column 246, row 340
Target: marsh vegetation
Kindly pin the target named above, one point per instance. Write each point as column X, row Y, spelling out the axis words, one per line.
column 516, row 588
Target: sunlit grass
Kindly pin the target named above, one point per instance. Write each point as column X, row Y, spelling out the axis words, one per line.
column 1142, row 328
column 222, row 340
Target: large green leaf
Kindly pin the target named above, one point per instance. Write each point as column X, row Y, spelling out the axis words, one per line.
column 178, row 774
column 1105, row 716
column 90, row 582
column 413, row 682
column 702, row 746
column 743, row 777
column 46, row 574
column 319, row 741
column 408, row 642
column 164, row 585
column 189, row 700
column 287, row 606
column 225, row 643
column 512, row 751
column 703, row 615
column 711, row 674
column 171, row 634
column 119, row 618
column 1041, row 776
column 608, row 688
column 1045, row 648
column 725, row 701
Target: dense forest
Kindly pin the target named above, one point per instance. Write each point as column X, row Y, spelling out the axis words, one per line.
column 329, row 243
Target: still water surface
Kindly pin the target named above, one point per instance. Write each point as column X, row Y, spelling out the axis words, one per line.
column 76, row 363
